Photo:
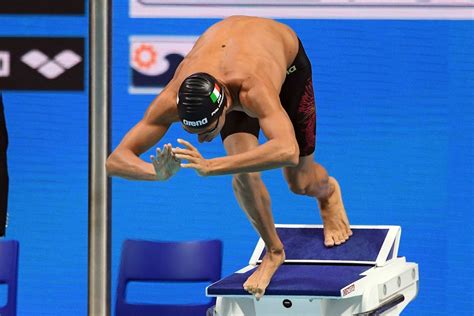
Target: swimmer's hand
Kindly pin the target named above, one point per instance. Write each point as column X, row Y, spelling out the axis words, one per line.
column 195, row 160
column 166, row 163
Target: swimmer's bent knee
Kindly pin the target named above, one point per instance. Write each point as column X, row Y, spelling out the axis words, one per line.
column 301, row 186
column 297, row 188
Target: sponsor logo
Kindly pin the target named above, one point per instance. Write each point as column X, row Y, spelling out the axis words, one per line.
column 348, row 290
column 42, row 63
column 4, row 64
column 290, row 70
column 42, row 7
column 154, row 60
column 195, row 123
column 145, row 56
column 51, row 68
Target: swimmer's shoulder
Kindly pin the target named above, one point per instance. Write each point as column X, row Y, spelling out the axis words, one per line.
column 163, row 110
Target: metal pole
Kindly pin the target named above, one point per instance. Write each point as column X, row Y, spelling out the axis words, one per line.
column 99, row 184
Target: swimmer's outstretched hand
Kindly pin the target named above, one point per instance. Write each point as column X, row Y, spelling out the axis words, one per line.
column 166, row 163
column 195, row 160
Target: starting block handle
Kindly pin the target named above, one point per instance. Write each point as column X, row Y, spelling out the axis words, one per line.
column 384, row 307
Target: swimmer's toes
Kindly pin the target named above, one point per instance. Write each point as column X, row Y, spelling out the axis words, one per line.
column 329, row 241
column 259, row 293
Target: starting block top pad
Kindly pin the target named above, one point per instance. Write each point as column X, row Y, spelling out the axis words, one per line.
column 296, row 280
column 310, row 268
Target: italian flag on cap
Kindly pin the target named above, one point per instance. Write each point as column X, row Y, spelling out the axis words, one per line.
column 216, row 93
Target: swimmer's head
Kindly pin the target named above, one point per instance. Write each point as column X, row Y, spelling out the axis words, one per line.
column 201, row 102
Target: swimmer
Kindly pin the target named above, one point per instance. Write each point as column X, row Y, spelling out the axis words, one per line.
column 242, row 75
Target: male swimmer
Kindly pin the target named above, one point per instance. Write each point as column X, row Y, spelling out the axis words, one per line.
column 242, row 75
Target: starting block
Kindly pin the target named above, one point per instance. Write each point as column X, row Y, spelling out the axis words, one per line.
column 363, row 276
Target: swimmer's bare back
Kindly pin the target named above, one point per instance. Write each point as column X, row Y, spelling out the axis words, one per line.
column 240, row 47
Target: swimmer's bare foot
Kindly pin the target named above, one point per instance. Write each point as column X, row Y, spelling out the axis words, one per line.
column 336, row 224
column 257, row 283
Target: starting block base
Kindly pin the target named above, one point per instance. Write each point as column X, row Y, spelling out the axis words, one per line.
column 375, row 283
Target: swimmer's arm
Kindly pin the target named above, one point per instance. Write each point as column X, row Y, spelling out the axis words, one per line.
column 125, row 160
column 281, row 148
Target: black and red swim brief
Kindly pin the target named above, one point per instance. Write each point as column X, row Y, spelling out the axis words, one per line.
column 296, row 97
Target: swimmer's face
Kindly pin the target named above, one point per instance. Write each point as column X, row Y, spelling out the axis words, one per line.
column 210, row 132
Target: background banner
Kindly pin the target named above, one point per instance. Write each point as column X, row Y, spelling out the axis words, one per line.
column 323, row 9
column 41, row 63
column 42, row 6
column 154, row 59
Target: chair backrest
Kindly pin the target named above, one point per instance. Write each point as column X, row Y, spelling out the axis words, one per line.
column 192, row 261
column 9, row 274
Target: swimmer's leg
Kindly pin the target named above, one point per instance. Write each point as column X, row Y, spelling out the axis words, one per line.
column 310, row 178
column 254, row 199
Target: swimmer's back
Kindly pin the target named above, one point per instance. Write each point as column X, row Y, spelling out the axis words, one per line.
column 245, row 45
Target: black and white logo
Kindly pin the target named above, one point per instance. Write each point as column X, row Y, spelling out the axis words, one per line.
column 41, row 63
column 51, row 68
column 291, row 70
column 4, row 64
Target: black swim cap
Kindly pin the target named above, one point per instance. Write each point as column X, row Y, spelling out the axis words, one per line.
column 201, row 100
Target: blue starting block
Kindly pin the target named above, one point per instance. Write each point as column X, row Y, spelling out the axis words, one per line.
column 363, row 276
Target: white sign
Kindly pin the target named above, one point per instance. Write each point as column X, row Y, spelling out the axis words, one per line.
column 308, row 9
column 312, row 2
column 154, row 59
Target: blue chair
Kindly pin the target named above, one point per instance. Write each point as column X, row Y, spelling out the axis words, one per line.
column 193, row 261
column 9, row 274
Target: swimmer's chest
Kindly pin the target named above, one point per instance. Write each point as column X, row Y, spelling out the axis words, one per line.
column 240, row 108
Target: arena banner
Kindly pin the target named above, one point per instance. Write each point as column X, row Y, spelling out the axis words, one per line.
column 42, row 7
column 41, row 63
column 307, row 9
column 154, row 59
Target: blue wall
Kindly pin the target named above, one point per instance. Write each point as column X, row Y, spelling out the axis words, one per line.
column 47, row 159
column 395, row 126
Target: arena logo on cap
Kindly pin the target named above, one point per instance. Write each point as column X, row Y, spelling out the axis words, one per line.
column 197, row 123
column 154, row 59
